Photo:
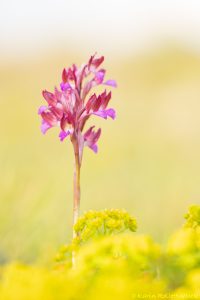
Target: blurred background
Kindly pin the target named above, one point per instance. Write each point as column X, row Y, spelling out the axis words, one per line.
column 149, row 157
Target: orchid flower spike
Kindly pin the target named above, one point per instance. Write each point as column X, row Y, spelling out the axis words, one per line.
column 70, row 106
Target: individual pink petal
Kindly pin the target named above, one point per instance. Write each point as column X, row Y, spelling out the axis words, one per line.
column 106, row 113
column 96, row 62
column 88, row 133
column 91, row 102
column 97, row 104
column 63, row 134
column 64, row 75
column 58, row 94
column 72, row 73
column 101, row 113
column 99, row 76
column 111, row 113
column 65, row 86
column 95, row 136
column 57, row 111
column 105, row 98
column 49, row 118
column 45, row 126
column 64, row 122
column 91, row 137
column 41, row 109
column 111, row 82
column 94, row 148
column 49, row 97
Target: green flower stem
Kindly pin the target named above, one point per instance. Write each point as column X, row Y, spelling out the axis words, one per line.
column 76, row 204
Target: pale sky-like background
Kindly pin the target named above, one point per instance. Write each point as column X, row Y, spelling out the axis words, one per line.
column 121, row 26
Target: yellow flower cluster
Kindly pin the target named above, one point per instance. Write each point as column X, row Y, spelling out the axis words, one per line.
column 112, row 262
column 101, row 223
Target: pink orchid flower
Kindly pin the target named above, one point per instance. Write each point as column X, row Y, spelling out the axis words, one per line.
column 70, row 107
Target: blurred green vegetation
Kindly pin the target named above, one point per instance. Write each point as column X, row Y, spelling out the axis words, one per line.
column 148, row 160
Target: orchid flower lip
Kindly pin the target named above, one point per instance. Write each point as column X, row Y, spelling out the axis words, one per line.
column 44, row 127
column 41, row 109
column 71, row 105
column 91, row 137
column 94, row 148
column 106, row 113
column 65, row 86
column 63, row 134
column 111, row 82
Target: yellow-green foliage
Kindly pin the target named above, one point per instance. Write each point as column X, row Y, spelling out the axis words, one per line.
column 127, row 253
column 112, row 266
column 115, row 267
column 185, row 243
column 192, row 285
column 19, row 282
column 193, row 217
